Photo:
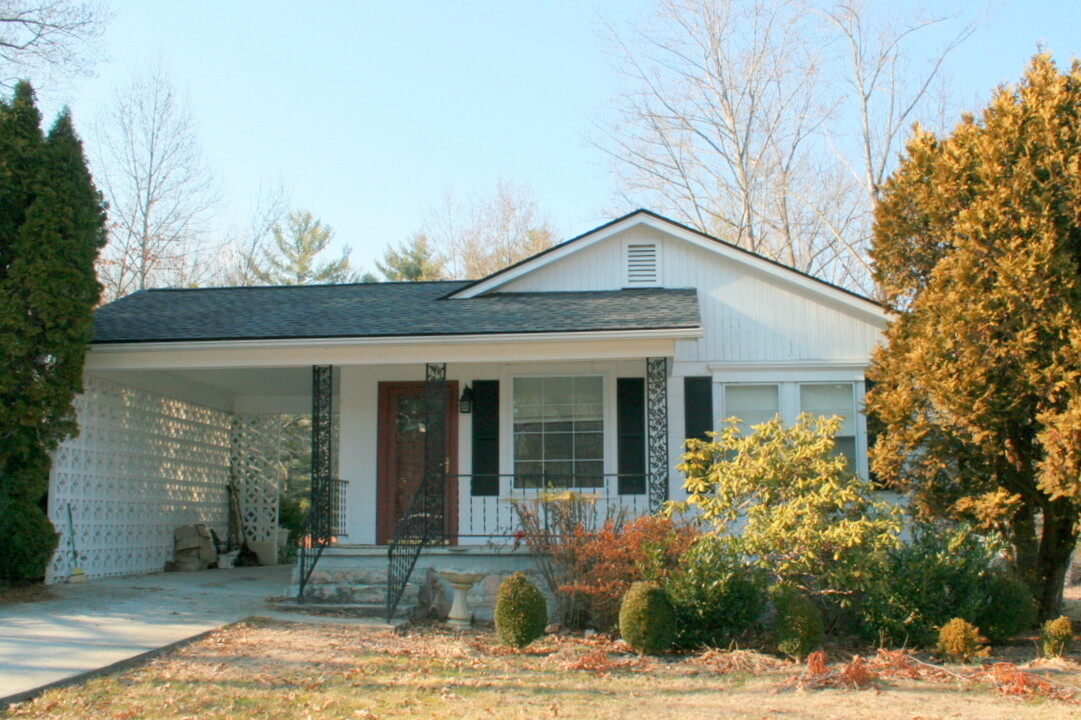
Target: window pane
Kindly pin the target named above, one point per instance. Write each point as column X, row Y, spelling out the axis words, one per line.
column 588, row 446
column 558, row 446
column 589, row 474
column 829, row 400
column 559, row 432
column 588, row 391
column 528, row 446
column 846, row 446
column 752, row 404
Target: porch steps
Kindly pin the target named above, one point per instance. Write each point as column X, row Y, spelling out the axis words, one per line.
column 351, row 580
column 356, row 588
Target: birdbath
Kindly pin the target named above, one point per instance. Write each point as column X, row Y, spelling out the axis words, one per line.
column 459, row 616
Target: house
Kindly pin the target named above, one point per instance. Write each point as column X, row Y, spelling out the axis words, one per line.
column 433, row 403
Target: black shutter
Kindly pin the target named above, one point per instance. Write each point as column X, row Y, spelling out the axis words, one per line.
column 485, row 438
column 631, row 435
column 697, row 406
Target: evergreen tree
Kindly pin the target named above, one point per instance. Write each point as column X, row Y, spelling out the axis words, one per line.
column 52, row 225
column 413, row 260
column 294, row 261
column 977, row 248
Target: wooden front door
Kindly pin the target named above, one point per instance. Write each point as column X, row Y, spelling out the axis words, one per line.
column 401, row 455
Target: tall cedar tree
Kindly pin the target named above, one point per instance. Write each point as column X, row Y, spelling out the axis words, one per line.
column 52, row 225
column 977, row 247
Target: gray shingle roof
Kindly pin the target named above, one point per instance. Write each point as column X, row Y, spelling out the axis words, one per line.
column 381, row 310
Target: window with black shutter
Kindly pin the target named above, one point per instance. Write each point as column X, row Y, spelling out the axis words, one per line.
column 485, row 438
column 697, row 406
column 631, row 432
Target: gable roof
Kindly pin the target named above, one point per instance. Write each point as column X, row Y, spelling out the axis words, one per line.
column 666, row 225
column 406, row 309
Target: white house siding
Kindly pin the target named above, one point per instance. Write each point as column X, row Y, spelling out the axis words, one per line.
column 141, row 465
column 758, row 327
column 747, row 315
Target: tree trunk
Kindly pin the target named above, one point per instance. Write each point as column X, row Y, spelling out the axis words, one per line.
column 1056, row 548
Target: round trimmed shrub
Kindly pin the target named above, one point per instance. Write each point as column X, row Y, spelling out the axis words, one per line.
column 959, row 640
column 1056, row 636
column 798, row 628
column 715, row 593
column 647, row 621
column 29, row 540
column 521, row 612
column 1009, row 607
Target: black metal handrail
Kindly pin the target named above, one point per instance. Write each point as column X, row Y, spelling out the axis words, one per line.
column 424, row 521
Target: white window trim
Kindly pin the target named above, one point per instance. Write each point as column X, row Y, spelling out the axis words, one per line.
column 788, row 404
column 506, row 426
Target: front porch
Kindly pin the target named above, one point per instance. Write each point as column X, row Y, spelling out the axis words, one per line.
column 400, row 465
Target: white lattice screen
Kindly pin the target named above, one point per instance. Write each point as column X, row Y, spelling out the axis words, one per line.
column 141, row 465
column 144, row 464
column 256, row 447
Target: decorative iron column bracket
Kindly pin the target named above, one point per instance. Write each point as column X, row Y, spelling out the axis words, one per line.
column 657, row 430
column 322, row 417
column 435, row 451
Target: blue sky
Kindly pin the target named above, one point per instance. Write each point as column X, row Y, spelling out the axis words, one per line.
column 369, row 111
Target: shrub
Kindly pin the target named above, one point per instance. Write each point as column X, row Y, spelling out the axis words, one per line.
column 606, row 563
column 521, row 612
column 29, row 540
column 647, row 622
column 1008, row 606
column 1056, row 636
column 797, row 627
column 938, row 575
column 959, row 640
column 805, row 517
column 716, row 594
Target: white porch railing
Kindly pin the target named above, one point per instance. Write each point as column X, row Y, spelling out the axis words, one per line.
column 495, row 518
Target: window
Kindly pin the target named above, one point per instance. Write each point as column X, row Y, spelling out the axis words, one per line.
column 752, row 404
column 829, row 400
column 558, row 432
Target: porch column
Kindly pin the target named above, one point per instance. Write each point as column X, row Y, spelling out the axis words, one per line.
column 657, row 430
column 435, row 451
column 322, row 505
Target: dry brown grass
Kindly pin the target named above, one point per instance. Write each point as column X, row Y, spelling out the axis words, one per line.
column 267, row 670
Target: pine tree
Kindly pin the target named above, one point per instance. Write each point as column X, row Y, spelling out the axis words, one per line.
column 977, row 248
column 413, row 260
column 52, row 225
column 294, row 258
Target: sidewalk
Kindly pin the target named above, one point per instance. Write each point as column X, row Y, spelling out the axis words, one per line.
column 89, row 626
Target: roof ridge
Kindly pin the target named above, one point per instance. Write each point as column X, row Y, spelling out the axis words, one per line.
column 297, row 287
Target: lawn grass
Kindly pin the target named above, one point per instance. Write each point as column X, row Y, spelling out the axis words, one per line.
column 260, row 669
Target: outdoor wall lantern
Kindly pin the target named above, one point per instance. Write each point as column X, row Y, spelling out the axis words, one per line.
column 465, row 402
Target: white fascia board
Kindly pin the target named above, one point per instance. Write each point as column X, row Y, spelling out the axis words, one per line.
column 794, row 371
column 785, row 274
column 544, row 347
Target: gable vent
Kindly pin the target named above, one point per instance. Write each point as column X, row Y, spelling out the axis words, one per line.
column 642, row 266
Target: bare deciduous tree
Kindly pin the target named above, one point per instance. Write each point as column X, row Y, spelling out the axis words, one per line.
column 489, row 231
column 50, row 37
column 737, row 114
column 161, row 192
column 243, row 259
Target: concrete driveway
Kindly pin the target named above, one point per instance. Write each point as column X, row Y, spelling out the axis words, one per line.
column 97, row 624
